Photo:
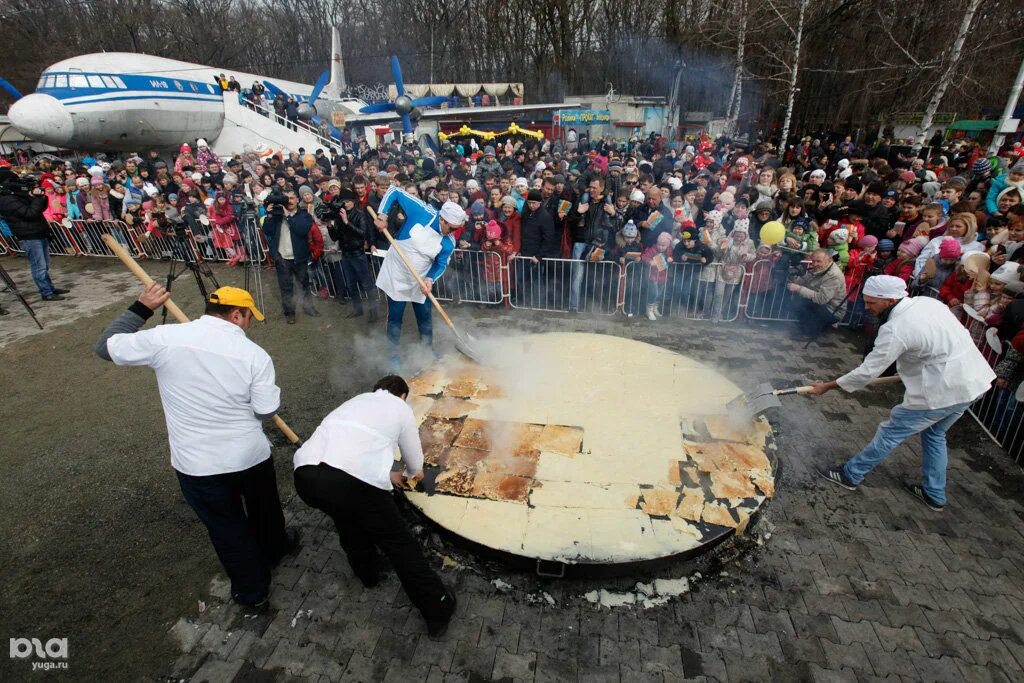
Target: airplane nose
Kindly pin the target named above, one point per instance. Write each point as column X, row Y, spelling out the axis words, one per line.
column 43, row 118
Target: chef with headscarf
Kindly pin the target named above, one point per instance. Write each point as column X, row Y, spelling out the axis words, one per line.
column 427, row 241
column 942, row 371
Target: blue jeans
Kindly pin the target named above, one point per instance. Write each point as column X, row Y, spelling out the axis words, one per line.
column 577, row 275
column 38, row 253
column 396, row 311
column 901, row 425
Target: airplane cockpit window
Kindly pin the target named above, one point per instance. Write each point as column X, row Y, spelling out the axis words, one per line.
column 95, row 82
column 109, row 82
column 41, row 83
column 120, row 84
column 77, row 81
column 62, row 81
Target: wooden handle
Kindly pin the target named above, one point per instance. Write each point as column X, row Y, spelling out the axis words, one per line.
column 286, row 430
column 412, row 270
column 179, row 314
column 138, row 272
column 892, row 379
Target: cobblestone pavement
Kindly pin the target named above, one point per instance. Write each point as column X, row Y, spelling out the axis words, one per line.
column 830, row 585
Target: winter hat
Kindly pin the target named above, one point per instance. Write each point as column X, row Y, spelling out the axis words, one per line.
column 347, row 194
column 741, row 225
column 636, row 196
column 930, row 189
column 492, row 230
column 534, row 196
column 886, row 245
column 949, row 248
column 521, row 182
column 509, row 201
column 676, row 184
column 95, row 171
column 930, row 177
column 488, row 151
column 147, row 205
column 908, row 177
column 981, row 166
column 185, row 148
column 713, row 216
column 96, row 181
column 477, row 209
column 843, row 163
column 197, row 177
column 305, row 189
column 82, row 182
column 629, row 230
column 539, row 167
column 867, row 241
column 913, row 247
column 1018, row 167
column 201, row 143
column 801, row 222
column 885, row 287
column 817, row 173
column 839, row 236
column 472, row 185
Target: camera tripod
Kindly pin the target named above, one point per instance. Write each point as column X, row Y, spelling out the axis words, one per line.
column 13, row 289
column 206, row 281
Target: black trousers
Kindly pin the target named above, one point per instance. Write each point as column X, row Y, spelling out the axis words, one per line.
column 288, row 271
column 812, row 319
column 367, row 518
column 242, row 513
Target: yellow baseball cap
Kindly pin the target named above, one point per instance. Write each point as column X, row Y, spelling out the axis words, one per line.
column 236, row 296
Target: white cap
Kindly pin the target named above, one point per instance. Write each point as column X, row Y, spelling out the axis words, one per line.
column 817, row 173
column 201, row 143
column 636, row 196
column 471, row 184
column 675, row 183
column 885, row 287
column 453, row 213
column 522, row 181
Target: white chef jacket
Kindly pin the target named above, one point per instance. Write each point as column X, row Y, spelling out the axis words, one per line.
column 421, row 248
column 359, row 437
column 213, row 382
column 935, row 356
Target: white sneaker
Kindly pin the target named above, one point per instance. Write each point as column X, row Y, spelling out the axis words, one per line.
column 650, row 313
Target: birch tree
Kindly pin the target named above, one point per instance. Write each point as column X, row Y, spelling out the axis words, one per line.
column 947, row 75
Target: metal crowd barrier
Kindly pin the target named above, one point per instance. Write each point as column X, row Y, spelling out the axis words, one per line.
column 471, row 277
column 564, row 285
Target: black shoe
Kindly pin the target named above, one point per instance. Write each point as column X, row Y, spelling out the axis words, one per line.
column 253, row 608
column 312, row 312
column 58, row 290
column 436, row 629
column 372, row 318
column 838, row 477
column 354, row 314
column 53, row 297
column 918, row 492
column 290, row 318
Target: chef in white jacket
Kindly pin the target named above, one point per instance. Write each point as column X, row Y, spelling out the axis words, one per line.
column 943, row 373
column 426, row 240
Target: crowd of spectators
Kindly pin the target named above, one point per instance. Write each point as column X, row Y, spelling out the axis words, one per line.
column 688, row 215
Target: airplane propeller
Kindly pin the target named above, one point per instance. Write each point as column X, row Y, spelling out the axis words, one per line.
column 307, row 110
column 403, row 105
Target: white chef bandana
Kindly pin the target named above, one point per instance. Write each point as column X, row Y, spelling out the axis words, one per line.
column 885, row 287
column 453, row 213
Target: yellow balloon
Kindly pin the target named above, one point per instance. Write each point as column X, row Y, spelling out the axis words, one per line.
column 772, row 232
column 442, row 137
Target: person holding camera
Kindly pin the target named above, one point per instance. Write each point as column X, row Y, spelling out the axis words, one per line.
column 22, row 204
column 350, row 227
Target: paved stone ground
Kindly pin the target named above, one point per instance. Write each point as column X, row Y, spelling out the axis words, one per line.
column 830, row 585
